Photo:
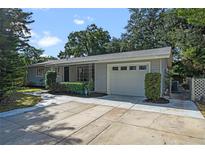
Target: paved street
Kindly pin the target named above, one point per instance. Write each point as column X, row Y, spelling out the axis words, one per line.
column 83, row 123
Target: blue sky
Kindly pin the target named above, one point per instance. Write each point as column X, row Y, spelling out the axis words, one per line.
column 52, row 26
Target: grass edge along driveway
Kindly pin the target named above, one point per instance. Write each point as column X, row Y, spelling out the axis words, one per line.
column 21, row 100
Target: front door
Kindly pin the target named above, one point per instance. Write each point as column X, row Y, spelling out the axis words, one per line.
column 66, row 74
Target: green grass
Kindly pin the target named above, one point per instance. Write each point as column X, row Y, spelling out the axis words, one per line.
column 29, row 89
column 201, row 108
column 19, row 100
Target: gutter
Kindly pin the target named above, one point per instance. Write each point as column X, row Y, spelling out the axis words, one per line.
column 102, row 61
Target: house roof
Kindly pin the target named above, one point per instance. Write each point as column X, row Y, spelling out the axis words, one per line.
column 130, row 55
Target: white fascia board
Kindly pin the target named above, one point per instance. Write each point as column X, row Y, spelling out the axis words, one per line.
column 105, row 61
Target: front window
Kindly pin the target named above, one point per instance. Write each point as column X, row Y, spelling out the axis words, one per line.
column 83, row 73
column 57, row 70
column 39, row 71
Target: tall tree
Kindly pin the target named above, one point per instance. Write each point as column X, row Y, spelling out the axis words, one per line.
column 146, row 28
column 118, row 45
column 86, row 42
column 182, row 29
column 189, row 38
column 31, row 55
column 194, row 16
column 13, row 40
column 46, row 58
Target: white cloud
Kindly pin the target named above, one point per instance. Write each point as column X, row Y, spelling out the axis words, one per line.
column 79, row 21
column 34, row 34
column 48, row 41
column 44, row 55
column 46, row 33
column 44, row 40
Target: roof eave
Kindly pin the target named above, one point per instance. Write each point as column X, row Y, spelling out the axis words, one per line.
column 104, row 61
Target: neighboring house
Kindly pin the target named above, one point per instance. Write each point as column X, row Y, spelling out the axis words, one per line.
column 117, row 73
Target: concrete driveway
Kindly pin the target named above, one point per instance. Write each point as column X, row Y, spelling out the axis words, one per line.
column 84, row 123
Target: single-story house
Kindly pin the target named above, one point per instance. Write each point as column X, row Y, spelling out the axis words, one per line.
column 116, row 73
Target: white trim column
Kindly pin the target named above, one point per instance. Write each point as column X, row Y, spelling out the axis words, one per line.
column 161, row 72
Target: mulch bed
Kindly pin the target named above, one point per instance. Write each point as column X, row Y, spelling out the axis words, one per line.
column 201, row 107
column 161, row 100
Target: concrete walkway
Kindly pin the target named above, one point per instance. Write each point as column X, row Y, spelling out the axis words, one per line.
column 175, row 107
column 89, row 123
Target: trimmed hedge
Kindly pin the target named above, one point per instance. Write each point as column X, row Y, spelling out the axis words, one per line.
column 153, row 86
column 50, row 80
column 73, row 87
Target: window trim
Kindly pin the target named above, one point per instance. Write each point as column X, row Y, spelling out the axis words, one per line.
column 43, row 70
column 83, row 68
column 57, row 70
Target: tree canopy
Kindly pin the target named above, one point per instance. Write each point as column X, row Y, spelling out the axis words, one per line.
column 182, row 29
column 86, row 42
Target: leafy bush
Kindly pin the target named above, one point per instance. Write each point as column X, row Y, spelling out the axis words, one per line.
column 50, row 80
column 90, row 85
column 152, row 86
column 59, row 88
column 73, row 87
column 185, row 86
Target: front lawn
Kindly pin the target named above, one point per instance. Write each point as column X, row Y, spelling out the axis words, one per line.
column 19, row 100
column 201, row 108
column 29, row 89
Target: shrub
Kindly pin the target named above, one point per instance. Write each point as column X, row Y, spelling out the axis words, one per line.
column 185, row 86
column 50, row 79
column 73, row 87
column 90, row 85
column 152, row 86
column 59, row 88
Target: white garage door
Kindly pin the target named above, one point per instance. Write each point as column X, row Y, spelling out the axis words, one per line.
column 127, row 79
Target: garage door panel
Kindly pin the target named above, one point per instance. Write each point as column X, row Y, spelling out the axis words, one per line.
column 127, row 82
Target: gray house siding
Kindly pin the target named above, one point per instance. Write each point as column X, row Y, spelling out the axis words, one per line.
column 101, row 77
column 60, row 76
column 164, row 65
column 34, row 80
column 155, row 66
column 101, row 73
column 72, row 73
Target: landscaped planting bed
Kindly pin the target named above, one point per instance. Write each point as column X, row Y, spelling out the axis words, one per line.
column 201, row 108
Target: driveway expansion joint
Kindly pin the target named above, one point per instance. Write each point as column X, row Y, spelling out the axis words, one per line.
column 158, row 130
column 82, row 128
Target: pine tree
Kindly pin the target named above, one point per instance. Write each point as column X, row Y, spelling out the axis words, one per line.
column 13, row 40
